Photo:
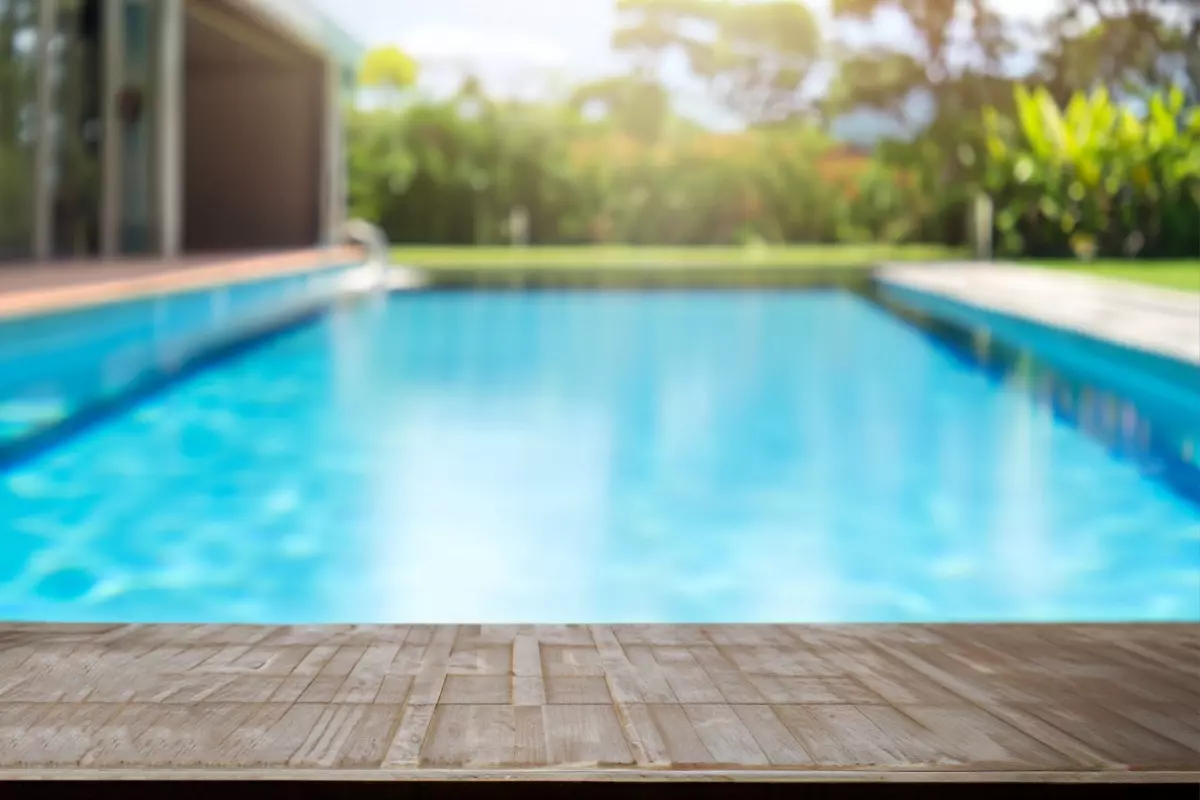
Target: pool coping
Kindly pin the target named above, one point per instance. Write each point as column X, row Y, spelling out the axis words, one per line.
column 1129, row 315
column 1153, row 320
column 83, row 285
column 218, row 328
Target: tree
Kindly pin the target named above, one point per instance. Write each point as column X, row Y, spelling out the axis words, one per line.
column 953, row 61
column 633, row 104
column 389, row 71
column 756, row 59
column 18, row 93
column 1130, row 47
column 954, row 45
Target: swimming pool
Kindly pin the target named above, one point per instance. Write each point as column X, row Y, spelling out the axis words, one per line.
column 56, row 367
column 618, row 456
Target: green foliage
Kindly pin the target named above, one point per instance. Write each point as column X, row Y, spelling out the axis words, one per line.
column 615, row 164
column 1130, row 48
column 435, row 173
column 432, row 174
column 18, row 87
column 1094, row 177
column 754, row 58
column 389, row 70
column 638, row 106
column 942, row 28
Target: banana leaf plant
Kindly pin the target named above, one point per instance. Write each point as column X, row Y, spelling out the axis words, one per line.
column 1095, row 176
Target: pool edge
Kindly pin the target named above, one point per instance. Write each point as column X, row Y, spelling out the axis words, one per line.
column 202, row 349
column 169, row 280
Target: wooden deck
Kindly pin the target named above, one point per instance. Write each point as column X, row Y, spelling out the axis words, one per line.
column 1003, row 702
column 27, row 289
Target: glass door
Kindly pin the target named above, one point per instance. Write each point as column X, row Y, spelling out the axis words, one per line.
column 133, row 96
column 76, row 128
column 103, row 57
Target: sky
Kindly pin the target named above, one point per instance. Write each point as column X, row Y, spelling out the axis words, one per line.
column 523, row 47
column 509, row 43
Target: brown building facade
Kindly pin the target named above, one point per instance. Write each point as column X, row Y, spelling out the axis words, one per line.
column 155, row 128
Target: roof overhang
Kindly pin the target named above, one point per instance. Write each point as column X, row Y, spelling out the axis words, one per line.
column 301, row 20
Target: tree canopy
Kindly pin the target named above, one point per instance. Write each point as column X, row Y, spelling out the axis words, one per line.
column 755, row 59
column 388, row 70
column 1105, row 154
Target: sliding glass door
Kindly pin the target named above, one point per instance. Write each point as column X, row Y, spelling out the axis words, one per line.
column 134, row 91
column 78, row 128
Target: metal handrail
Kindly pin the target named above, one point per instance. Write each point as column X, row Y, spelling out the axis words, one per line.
column 376, row 243
column 379, row 271
column 371, row 237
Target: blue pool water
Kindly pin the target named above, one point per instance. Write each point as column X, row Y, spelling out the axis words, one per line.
column 55, row 365
column 653, row 457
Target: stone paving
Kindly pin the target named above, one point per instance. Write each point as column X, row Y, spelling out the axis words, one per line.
column 1160, row 321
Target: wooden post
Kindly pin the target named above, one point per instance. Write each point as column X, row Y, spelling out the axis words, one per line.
column 43, row 189
column 332, row 154
column 518, row 226
column 170, row 110
column 111, row 168
column 981, row 227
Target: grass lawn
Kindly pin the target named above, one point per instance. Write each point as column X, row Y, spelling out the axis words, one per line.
column 616, row 257
column 1170, row 274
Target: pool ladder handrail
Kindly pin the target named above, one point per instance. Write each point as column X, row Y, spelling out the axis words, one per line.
column 379, row 271
column 375, row 242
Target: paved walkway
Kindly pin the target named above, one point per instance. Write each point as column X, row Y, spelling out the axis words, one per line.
column 1144, row 317
column 796, row 701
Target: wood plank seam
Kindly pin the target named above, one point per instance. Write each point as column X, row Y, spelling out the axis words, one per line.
column 1072, row 749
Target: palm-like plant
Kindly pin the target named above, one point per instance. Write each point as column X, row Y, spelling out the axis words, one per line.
column 1069, row 174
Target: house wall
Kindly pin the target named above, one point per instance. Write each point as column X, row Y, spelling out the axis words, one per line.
column 221, row 132
column 254, row 123
column 251, row 160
